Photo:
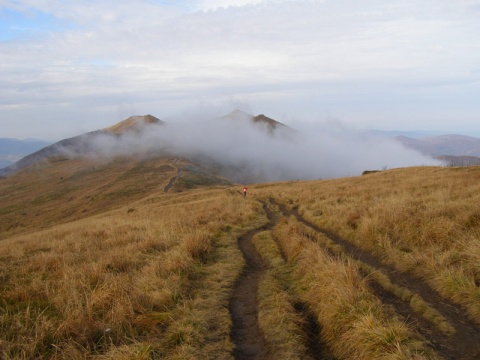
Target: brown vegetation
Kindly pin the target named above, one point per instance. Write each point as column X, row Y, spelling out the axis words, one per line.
column 97, row 261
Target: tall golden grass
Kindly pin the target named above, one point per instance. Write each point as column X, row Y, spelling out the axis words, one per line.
column 282, row 326
column 100, row 263
column 127, row 282
column 422, row 220
column 355, row 324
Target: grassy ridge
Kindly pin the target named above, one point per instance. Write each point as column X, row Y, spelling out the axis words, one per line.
column 355, row 324
column 146, row 274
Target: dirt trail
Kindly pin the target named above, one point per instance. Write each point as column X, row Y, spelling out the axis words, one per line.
column 173, row 179
column 249, row 340
column 464, row 344
column 246, row 334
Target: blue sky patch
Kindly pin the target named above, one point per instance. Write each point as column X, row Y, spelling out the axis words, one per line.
column 16, row 25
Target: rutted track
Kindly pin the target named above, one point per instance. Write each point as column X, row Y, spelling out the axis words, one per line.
column 246, row 334
column 463, row 344
column 249, row 340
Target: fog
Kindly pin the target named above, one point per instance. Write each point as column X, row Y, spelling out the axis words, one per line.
column 252, row 151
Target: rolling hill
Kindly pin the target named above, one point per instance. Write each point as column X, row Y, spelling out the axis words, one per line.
column 269, row 124
column 133, row 242
column 138, row 135
column 160, row 257
column 85, row 144
column 80, row 176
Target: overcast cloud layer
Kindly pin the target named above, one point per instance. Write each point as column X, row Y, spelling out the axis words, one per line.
column 67, row 67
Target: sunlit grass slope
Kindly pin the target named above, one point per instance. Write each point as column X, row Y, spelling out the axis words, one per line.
column 421, row 220
column 60, row 189
column 143, row 279
column 97, row 261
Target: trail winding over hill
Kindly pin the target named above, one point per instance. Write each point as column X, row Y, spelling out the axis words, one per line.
column 174, row 178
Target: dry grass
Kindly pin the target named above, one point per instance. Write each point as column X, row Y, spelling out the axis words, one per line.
column 355, row 324
column 422, row 220
column 416, row 303
column 97, row 262
column 124, row 282
column 278, row 320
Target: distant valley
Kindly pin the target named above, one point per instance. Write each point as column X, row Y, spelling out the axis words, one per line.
column 12, row 150
column 455, row 150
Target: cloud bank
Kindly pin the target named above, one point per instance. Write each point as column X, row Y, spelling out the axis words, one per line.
column 249, row 152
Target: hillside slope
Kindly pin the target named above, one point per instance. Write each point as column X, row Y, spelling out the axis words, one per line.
column 107, row 261
column 84, row 144
column 58, row 190
column 141, row 136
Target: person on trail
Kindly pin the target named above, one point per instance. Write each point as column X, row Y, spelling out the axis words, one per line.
column 244, row 191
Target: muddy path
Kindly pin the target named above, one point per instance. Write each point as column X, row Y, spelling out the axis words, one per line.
column 463, row 344
column 246, row 334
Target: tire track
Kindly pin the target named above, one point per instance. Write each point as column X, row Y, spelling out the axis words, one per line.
column 317, row 350
column 246, row 334
column 463, row 344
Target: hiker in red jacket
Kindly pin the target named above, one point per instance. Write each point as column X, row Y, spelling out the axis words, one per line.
column 244, row 191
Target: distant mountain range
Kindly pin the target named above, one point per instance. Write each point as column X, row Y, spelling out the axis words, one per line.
column 12, row 150
column 455, row 150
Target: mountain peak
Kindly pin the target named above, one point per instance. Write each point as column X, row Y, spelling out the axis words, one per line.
column 239, row 115
column 272, row 124
column 135, row 123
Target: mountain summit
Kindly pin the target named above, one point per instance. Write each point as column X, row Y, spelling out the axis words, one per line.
column 271, row 125
column 110, row 140
column 134, row 123
column 85, row 143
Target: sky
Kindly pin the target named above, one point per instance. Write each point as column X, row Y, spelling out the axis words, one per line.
column 68, row 67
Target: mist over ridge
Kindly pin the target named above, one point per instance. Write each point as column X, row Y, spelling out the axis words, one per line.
column 248, row 148
column 265, row 150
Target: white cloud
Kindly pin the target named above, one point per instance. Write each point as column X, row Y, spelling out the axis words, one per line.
column 312, row 153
